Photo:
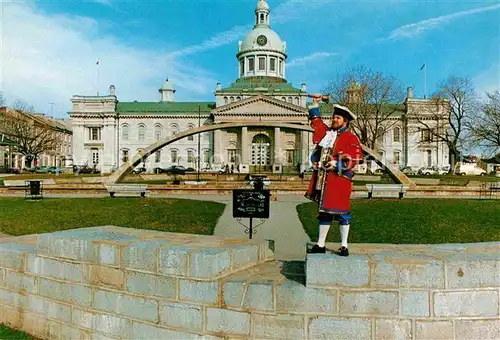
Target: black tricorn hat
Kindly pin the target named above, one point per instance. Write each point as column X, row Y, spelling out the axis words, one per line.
column 344, row 112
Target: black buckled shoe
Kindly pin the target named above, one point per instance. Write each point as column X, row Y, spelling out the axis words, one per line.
column 344, row 251
column 317, row 250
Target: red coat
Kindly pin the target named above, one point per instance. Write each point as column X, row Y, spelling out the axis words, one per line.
column 334, row 196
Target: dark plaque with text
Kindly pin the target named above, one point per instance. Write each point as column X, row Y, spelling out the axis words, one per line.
column 251, row 203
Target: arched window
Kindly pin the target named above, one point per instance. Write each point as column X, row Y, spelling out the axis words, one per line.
column 125, row 131
column 283, row 99
column 174, row 129
column 125, row 155
column 238, row 98
column 174, row 156
column 397, row 135
column 225, row 100
column 297, row 101
column 158, row 129
column 191, row 156
column 190, row 126
column 261, row 150
column 231, row 99
column 290, row 153
column 141, row 132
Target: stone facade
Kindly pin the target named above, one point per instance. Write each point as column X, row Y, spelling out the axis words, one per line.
column 119, row 283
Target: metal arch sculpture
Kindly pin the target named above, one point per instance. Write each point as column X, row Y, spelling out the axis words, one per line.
column 127, row 167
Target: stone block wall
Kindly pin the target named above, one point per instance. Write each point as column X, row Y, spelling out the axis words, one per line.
column 119, row 283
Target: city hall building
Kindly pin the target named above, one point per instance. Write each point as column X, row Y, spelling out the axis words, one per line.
column 108, row 132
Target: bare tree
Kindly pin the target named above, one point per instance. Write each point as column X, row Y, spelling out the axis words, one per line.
column 485, row 127
column 376, row 99
column 33, row 135
column 454, row 103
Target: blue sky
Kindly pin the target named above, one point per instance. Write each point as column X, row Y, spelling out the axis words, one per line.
column 50, row 48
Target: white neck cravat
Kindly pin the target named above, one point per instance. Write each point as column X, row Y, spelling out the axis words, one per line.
column 329, row 139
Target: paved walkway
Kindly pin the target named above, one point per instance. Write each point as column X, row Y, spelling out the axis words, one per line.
column 283, row 225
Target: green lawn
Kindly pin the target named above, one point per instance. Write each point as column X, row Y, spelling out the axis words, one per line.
column 9, row 334
column 21, row 217
column 413, row 221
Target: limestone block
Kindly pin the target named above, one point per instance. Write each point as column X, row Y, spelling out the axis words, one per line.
column 11, row 317
column 282, row 326
column 37, row 326
column 74, row 272
column 292, row 296
column 173, row 261
column 393, row 329
column 141, row 331
column 107, row 276
column 206, row 292
column 415, row 303
column 12, row 255
column 69, row 293
column 407, row 271
column 209, row 263
column 154, row 285
column 244, row 254
column 477, row 329
column 142, row 255
column 20, row 282
column 182, row 315
column 83, row 245
column 111, row 325
column 327, row 328
column 227, row 322
column 436, row 330
column 373, row 302
column 126, row 305
column 233, row 293
column 69, row 332
column 468, row 303
column 2, row 277
column 259, row 296
column 98, row 336
column 48, row 309
column 12, row 299
column 332, row 270
column 266, row 250
column 474, row 272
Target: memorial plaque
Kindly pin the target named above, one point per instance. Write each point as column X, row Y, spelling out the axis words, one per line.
column 251, row 203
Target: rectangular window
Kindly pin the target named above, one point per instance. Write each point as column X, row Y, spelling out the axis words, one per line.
column 426, row 135
column 125, row 156
column 173, row 156
column 251, row 64
column 190, row 138
column 396, row 157
column 95, row 156
column 272, row 64
column 191, row 156
column 158, row 156
column 231, row 156
column 281, row 67
column 94, row 133
column 289, row 156
column 262, row 64
column 242, row 68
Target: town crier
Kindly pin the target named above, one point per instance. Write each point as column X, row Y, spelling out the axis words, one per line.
column 337, row 151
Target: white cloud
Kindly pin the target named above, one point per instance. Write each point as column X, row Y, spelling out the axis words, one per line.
column 300, row 61
column 414, row 29
column 220, row 39
column 49, row 58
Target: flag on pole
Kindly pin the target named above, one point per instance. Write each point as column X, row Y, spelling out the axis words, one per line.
column 421, row 68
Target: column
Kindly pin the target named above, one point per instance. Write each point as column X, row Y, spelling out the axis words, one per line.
column 217, row 147
column 304, row 145
column 244, row 168
column 277, row 159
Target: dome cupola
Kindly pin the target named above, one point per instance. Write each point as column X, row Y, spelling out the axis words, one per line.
column 262, row 52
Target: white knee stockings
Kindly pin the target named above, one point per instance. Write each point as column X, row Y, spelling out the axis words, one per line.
column 344, row 233
column 323, row 232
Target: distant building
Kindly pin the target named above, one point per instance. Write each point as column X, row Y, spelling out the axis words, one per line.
column 108, row 132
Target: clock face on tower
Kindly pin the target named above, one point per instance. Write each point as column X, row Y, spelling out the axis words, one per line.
column 261, row 40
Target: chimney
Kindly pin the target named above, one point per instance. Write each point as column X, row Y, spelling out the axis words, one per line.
column 409, row 93
column 112, row 90
column 303, row 87
column 218, row 87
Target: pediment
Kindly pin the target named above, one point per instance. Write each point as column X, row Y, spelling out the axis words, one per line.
column 260, row 104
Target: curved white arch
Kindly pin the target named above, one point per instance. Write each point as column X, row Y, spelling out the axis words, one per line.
column 120, row 174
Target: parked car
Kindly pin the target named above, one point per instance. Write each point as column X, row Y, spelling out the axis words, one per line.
column 7, row 170
column 469, row 169
column 411, row 170
column 54, row 170
column 433, row 170
column 139, row 170
column 171, row 170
